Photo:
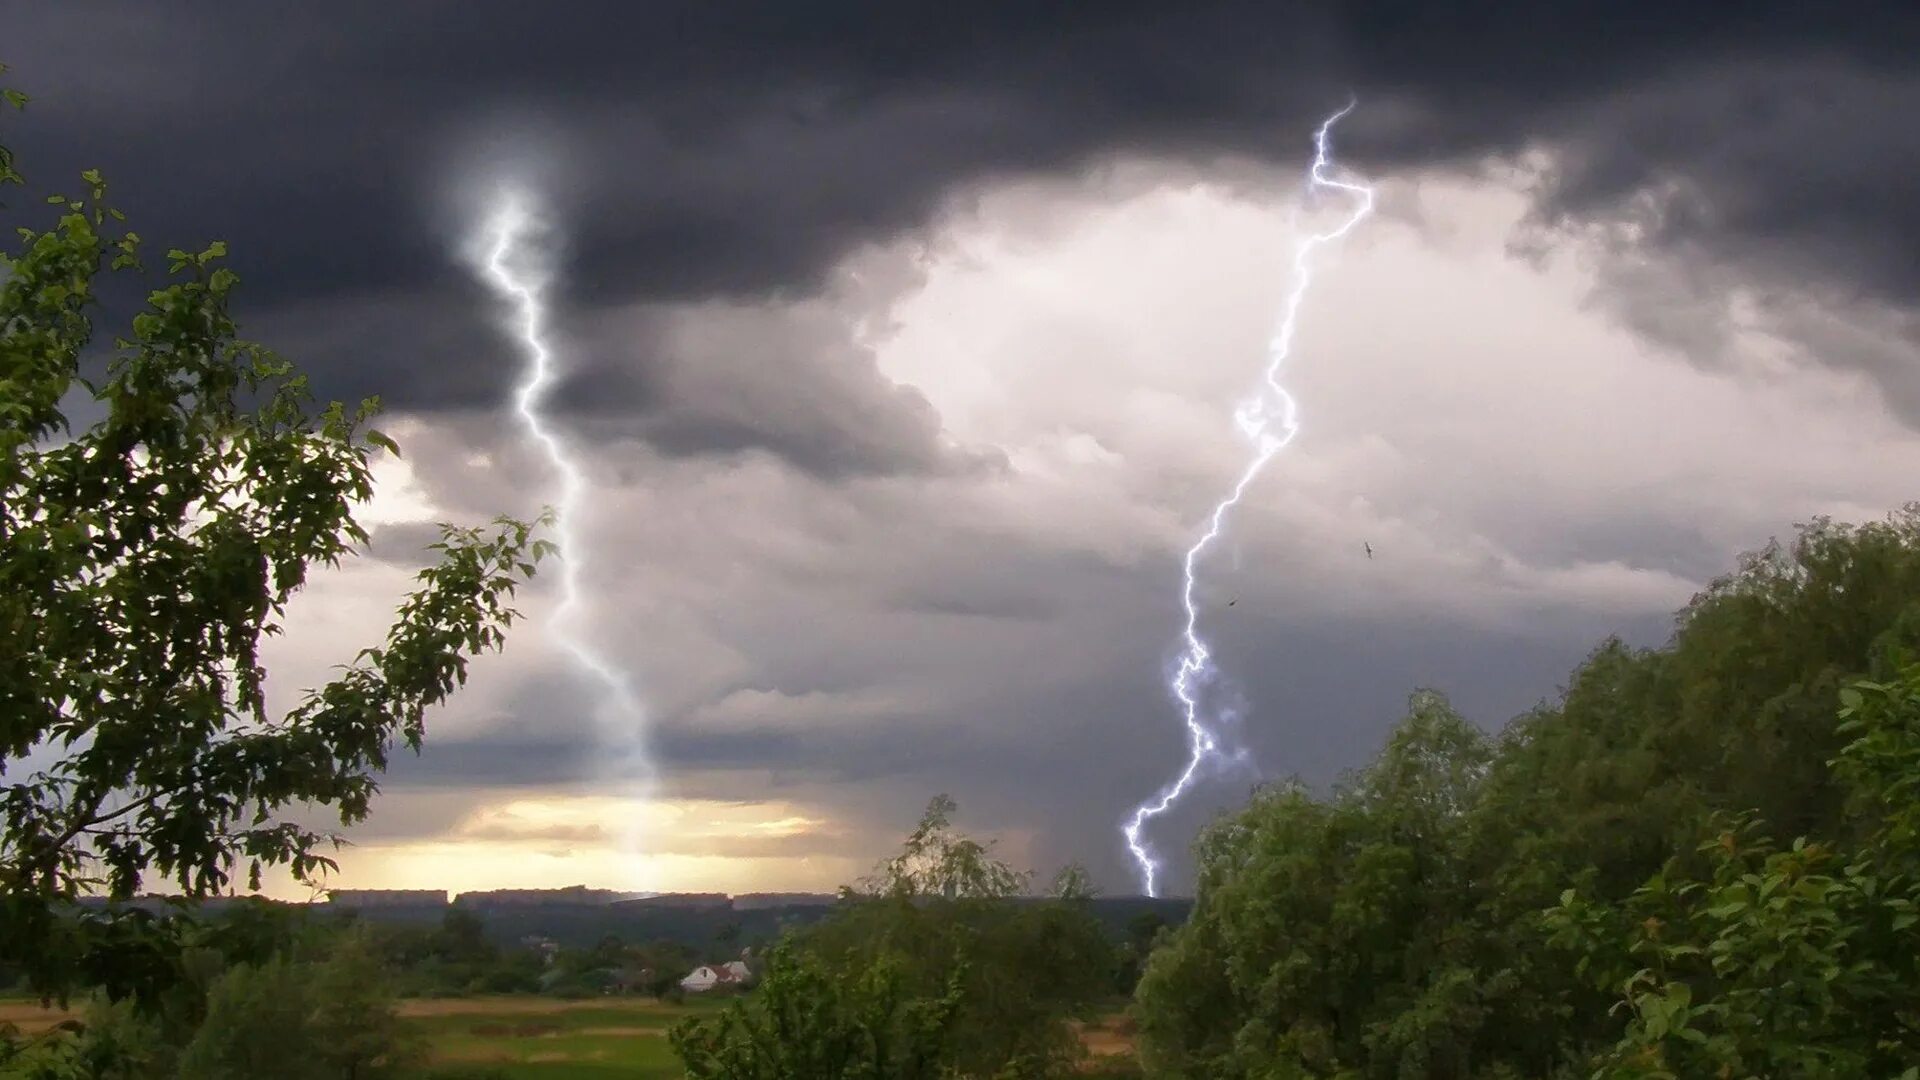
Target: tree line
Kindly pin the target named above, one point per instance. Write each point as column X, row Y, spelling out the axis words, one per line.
column 1699, row 861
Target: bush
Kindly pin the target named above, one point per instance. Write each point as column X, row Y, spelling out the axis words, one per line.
column 301, row 1022
column 937, row 968
column 810, row 1021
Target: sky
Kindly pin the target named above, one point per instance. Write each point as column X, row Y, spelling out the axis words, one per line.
column 901, row 345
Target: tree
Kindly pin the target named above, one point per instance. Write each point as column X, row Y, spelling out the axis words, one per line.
column 809, row 1021
column 1408, row 924
column 937, row 950
column 1143, row 931
column 1768, row 961
column 1032, row 966
column 1321, row 934
column 357, row 1033
column 937, row 862
column 332, row 1020
column 462, row 937
column 142, row 562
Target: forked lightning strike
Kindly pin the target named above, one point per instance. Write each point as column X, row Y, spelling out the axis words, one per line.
column 510, row 231
column 1256, row 419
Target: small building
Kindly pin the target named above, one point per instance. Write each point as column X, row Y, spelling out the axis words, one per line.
column 707, row 976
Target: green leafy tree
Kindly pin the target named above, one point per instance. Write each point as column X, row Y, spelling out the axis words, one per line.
column 462, row 937
column 1394, row 929
column 1033, row 966
column 938, row 862
column 143, row 559
column 808, row 1020
column 1794, row 962
column 1142, row 932
column 939, row 931
column 330, row 1020
column 1320, row 937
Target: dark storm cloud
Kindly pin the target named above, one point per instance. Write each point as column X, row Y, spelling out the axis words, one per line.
column 1790, row 179
column 716, row 155
column 407, row 544
column 721, row 149
column 725, row 380
column 1060, row 755
column 565, row 747
column 1798, row 160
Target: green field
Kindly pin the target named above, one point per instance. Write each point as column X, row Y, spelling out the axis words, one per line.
column 540, row 1038
column 543, row 1039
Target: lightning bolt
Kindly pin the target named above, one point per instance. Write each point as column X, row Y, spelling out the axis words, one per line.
column 511, row 266
column 1270, row 420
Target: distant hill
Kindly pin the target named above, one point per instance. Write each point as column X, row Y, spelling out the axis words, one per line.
column 700, row 924
column 577, row 916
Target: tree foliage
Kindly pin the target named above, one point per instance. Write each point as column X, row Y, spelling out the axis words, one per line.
column 1794, row 961
column 1411, row 923
column 316, row 1008
column 1322, row 931
column 808, row 1019
column 938, row 960
column 144, row 558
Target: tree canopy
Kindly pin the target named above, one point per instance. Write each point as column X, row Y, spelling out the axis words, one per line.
column 1593, row 889
column 935, row 966
column 144, row 558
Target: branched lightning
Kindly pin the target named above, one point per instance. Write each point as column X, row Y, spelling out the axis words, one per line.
column 1270, row 419
column 510, row 267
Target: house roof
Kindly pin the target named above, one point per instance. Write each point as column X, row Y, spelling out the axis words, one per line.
column 731, row 971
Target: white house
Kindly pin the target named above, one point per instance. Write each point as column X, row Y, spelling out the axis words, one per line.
column 707, row 976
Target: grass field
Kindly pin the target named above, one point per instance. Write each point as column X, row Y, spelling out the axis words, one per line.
column 544, row 1039
column 524, row 1038
column 536, row 1038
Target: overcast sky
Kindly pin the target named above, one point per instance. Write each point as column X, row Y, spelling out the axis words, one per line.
column 901, row 348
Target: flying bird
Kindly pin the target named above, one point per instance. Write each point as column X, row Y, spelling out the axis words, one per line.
column 1369, row 546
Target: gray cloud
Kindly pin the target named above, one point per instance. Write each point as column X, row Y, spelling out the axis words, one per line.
column 1771, row 181
column 889, row 493
column 1530, row 478
column 796, row 384
column 698, row 159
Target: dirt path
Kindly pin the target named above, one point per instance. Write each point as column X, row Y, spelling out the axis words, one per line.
column 29, row 1017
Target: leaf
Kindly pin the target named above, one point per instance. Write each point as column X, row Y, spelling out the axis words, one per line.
column 380, row 440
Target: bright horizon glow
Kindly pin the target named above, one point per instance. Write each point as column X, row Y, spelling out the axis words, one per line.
column 551, row 840
column 1253, row 418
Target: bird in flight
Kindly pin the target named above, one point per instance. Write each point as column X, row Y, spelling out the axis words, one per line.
column 1369, row 546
